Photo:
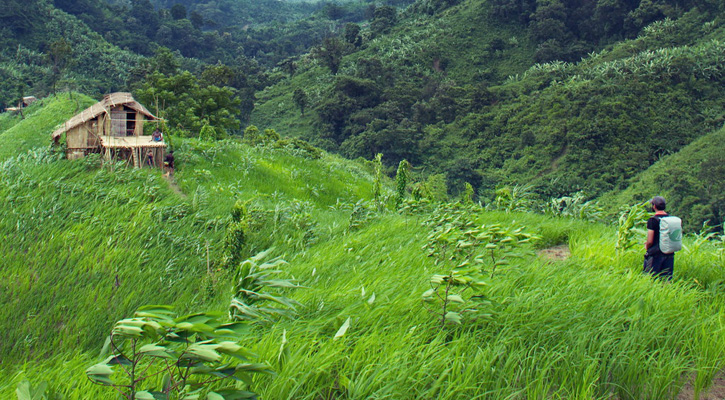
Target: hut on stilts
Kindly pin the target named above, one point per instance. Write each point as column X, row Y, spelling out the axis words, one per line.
column 113, row 127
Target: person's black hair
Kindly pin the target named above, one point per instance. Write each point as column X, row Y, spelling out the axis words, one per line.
column 658, row 202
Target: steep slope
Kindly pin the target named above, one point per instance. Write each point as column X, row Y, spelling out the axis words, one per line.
column 692, row 180
column 72, row 226
column 84, row 245
column 123, row 237
column 453, row 49
column 41, row 118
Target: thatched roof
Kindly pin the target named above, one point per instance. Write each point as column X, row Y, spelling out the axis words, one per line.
column 109, row 101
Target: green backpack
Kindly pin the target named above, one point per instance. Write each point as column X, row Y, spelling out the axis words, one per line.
column 670, row 234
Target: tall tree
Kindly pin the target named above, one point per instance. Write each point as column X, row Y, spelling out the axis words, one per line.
column 178, row 11
column 330, row 53
column 300, row 98
column 384, row 18
column 60, row 57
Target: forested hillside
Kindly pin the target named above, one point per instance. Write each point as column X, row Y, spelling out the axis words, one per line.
column 692, row 179
column 98, row 46
column 458, row 92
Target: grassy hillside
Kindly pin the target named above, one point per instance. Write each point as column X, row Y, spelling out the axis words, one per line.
column 41, row 119
column 85, row 245
column 692, row 180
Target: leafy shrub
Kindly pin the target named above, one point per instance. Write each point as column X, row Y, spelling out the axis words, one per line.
column 187, row 352
column 631, row 221
column 253, row 281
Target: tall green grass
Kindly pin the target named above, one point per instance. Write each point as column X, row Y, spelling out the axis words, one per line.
column 41, row 118
column 83, row 246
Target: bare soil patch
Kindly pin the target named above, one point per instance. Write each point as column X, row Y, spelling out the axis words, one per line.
column 175, row 187
column 716, row 392
column 556, row 253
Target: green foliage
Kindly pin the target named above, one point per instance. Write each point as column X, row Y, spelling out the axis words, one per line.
column 60, row 58
column 251, row 135
column 305, row 147
column 360, row 214
column 235, row 238
column 252, row 300
column 630, row 230
column 516, row 198
column 41, row 119
column 188, row 106
column 467, row 197
column 411, row 94
column 378, row 182
column 435, row 188
column 158, row 355
column 207, row 133
column 464, row 249
column 544, row 315
column 330, row 53
column 26, row 391
column 402, row 176
column 352, row 34
column 692, row 181
column 270, row 136
column 446, row 243
column 576, row 206
column 446, row 295
column 300, row 98
column 590, row 124
column 384, row 18
column 501, row 243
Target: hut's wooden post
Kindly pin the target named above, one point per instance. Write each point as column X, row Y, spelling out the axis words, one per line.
column 139, row 124
column 107, row 124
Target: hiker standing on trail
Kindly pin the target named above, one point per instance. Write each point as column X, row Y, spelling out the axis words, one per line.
column 150, row 158
column 169, row 163
column 664, row 237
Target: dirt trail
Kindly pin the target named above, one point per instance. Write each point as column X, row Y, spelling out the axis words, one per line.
column 556, row 253
column 174, row 186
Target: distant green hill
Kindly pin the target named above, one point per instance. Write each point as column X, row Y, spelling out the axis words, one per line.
column 691, row 180
column 41, row 119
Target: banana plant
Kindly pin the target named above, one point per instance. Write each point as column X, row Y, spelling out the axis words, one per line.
column 631, row 221
column 252, row 300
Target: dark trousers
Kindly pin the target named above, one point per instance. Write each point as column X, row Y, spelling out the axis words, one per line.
column 660, row 265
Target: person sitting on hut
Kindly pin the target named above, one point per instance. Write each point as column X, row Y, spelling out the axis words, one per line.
column 150, row 158
column 169, row 163
column 157, row 136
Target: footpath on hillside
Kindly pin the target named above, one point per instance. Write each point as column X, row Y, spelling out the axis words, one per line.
column 174, row 186
column 556, row 253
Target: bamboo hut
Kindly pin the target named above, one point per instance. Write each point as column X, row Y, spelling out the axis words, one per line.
column 113, row 127
column 28, row 100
